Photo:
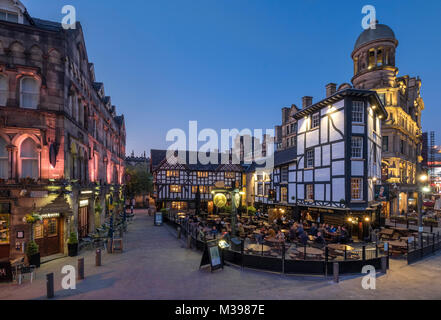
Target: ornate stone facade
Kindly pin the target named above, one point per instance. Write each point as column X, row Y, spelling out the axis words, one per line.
column 62, row 144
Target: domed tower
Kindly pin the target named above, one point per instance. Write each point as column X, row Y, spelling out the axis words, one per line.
column 374, row 58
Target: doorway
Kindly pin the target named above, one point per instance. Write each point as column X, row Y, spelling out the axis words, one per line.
column 48, row 236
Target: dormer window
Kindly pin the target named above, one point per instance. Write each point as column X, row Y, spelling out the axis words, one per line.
column 8, row 16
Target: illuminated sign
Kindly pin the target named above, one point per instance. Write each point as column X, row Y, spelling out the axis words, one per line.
column 50, row 215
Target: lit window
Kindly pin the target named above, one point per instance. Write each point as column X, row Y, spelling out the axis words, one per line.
column 29, row 93
column 3, row 90
column 266, row 191
column 284, row 194
column 259, row 189
column 315, row 120
column 230, row 175
column 174, row 188
column 310, row 158
column 29, row 159
column 358, row 112
column 202, row 174
column 357, row 189
column 4, row 160
column 310, row 192
column 173, row 173
column 357, row 147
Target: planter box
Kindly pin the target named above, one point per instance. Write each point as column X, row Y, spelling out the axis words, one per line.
column 72, row 249
column 34, row 260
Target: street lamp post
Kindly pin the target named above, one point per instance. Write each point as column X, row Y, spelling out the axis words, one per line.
column 421, row 179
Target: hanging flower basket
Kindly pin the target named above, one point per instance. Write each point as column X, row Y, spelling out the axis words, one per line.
column 32, row 218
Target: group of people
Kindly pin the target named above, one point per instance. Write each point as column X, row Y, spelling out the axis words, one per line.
column 301, row 232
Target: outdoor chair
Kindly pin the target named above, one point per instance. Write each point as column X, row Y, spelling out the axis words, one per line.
column 23, row 271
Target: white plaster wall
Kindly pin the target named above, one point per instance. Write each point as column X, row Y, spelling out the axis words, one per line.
column 338, row 189
column 357, row 168
column 299, row 176
column 319, row 192
column 292, row 176
column 328, row 192
column 324, row 130
column 300, row 192
column 338, row 150
column 308, row 175
column 312, row 138
column 291, row 192
column 326, row 151
column 317, row 157
column 300, row 144
column 338, row 168
column 323, row 174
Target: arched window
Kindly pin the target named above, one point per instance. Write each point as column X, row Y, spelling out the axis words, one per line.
column 4, row 91
column 4, row 160
column 29, row 159
column 29, row 93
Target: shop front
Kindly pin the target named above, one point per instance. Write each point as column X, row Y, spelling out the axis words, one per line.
column 83, row 219
column 5, row 220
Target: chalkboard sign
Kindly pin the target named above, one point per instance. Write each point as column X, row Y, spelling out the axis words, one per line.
column 158, row 219
column 212, row 256
column 5, row 271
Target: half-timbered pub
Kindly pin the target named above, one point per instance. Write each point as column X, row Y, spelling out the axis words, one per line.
column 176, row 185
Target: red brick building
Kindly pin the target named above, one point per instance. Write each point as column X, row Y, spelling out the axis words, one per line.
column 62, row 145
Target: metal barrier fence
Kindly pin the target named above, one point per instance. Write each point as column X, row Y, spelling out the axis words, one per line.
column 417, row 251
column 287, row 258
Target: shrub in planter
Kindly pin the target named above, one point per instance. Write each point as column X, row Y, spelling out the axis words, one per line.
column 72, row 245
column 251, row 210
column 33, row 254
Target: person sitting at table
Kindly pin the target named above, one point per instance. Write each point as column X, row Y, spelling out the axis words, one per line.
column 271, row 233
column 214, row 232
column 299, row 230
column 241, row 229
column 344, row 236
column 292, row 233
column 304, row 238
column 313, row 231
column 280, row 236
column 308, row 217
column 259, row 237
column 319, row 238
column 332, row 229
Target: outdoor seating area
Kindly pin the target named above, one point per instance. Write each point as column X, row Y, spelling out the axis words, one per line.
column 274, row 243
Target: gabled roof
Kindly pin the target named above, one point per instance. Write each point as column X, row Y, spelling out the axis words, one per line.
column 372, row 95
column 158, row 157
column 285, row 156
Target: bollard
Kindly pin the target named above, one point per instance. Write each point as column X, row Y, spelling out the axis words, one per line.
column 50, row 285
column 336, row 272
column 384, row 264
column 81, row 269
column 179, row 232
column 189, row 241
column 98, row 258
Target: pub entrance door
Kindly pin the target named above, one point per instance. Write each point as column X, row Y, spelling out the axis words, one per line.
column 48, row 236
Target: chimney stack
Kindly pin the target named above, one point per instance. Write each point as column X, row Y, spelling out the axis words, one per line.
column 306, row 102
column 331, row 88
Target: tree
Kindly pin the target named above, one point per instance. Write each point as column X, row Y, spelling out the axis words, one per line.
column 139, row 181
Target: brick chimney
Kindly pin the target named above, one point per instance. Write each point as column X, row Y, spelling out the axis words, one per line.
column 306, row 102
column 331, row 88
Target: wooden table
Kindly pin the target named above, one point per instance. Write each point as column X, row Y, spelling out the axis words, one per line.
column 340, row 247
column 259, row 248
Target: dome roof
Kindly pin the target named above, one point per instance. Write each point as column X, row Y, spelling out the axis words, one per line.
column 380, row 32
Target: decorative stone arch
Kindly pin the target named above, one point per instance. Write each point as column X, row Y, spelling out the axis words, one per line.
column 17, row 141
column 20, row 78
column 36, row 53
column 17, row 49
column 54, row 56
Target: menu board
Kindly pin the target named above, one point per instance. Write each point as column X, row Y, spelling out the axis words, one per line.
column 4, row 228
column 158, row 219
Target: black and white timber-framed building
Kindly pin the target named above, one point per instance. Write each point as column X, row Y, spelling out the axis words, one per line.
column 176, row 185
column 336, row 163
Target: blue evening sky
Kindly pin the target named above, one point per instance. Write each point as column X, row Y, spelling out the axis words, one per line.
column 236, row 63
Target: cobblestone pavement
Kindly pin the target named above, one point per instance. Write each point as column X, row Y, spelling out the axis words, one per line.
column 155, row 265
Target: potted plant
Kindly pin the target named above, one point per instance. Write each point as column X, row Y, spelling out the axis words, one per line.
column 33, row 254
column 72, row 245
column 251, row 210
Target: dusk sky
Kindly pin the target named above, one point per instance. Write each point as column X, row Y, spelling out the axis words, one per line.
column 236, row 63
